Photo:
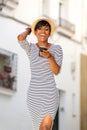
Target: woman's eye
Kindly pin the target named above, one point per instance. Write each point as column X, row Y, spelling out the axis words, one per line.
column 39, row 28
column 46, row 29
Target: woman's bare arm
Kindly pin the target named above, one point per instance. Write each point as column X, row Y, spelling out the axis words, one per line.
column 24, row 34
column 53, row 65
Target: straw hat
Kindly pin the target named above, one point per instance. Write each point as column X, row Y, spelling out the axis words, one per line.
column 52, row 24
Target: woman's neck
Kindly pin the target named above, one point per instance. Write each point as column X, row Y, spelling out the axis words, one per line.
column 44, row 44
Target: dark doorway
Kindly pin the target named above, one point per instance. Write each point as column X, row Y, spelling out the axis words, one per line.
column 56, row 120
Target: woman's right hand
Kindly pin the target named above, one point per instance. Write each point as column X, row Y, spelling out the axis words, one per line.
column 24, row 34
column 29, row 30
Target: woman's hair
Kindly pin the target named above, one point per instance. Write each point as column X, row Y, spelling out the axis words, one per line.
column 42, row 23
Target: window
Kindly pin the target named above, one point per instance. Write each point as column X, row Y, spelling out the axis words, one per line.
column 8, row 71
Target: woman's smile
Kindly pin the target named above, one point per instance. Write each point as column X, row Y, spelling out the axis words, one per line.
column 42, row 36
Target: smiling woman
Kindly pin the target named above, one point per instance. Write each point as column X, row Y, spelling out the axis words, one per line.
column 42, row 95
column 43, row 22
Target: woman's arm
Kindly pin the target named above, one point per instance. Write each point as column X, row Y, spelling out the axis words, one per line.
column 23, row 42
column 53, row 65
column 24, row 34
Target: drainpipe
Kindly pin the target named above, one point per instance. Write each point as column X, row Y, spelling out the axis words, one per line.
column 60, row 5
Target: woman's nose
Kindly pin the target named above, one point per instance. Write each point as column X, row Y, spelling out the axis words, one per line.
column 43, row 30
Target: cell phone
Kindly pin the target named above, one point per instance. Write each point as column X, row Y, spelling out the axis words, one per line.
column 41, row 49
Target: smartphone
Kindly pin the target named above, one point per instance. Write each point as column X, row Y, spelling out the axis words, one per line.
column 41, row 49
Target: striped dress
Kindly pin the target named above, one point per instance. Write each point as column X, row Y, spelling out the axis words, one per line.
column 42, row 95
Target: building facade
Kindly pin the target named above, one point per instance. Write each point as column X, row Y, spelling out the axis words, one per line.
column 71, row 33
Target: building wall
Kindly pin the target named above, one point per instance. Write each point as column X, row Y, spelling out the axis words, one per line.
column 28, row 10
column 68, row 81
column 13, row 110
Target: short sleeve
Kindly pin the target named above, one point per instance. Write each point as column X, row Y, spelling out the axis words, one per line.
column 25, row 45
column 58, row 54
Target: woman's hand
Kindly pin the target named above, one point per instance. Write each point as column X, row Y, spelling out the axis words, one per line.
column 45, row 54
column 24, row 34
column 28, row 30
column 53, row 65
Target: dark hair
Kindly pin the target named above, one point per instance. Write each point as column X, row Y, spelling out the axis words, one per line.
column 42, row 23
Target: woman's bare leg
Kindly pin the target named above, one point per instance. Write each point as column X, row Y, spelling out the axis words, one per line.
column 46, row 123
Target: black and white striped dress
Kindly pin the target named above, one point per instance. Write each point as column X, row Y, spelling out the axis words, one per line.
column 42, row 96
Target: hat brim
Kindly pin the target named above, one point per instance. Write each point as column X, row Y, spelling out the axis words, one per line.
column 52, row 24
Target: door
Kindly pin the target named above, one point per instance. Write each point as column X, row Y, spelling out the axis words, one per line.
column 83, row 92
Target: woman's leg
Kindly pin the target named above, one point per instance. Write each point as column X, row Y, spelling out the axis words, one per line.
column 46, row 123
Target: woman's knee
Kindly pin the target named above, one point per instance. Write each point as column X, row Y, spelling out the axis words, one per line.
column 44, row 127
column 46, row 123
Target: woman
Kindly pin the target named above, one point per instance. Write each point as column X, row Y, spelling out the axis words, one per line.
column 45, row 61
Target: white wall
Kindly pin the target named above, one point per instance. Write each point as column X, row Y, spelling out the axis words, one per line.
column 69, row 84
column 13, row 109
column 28, row 10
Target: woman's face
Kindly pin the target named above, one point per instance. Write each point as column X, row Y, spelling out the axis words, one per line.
column 42, row 33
